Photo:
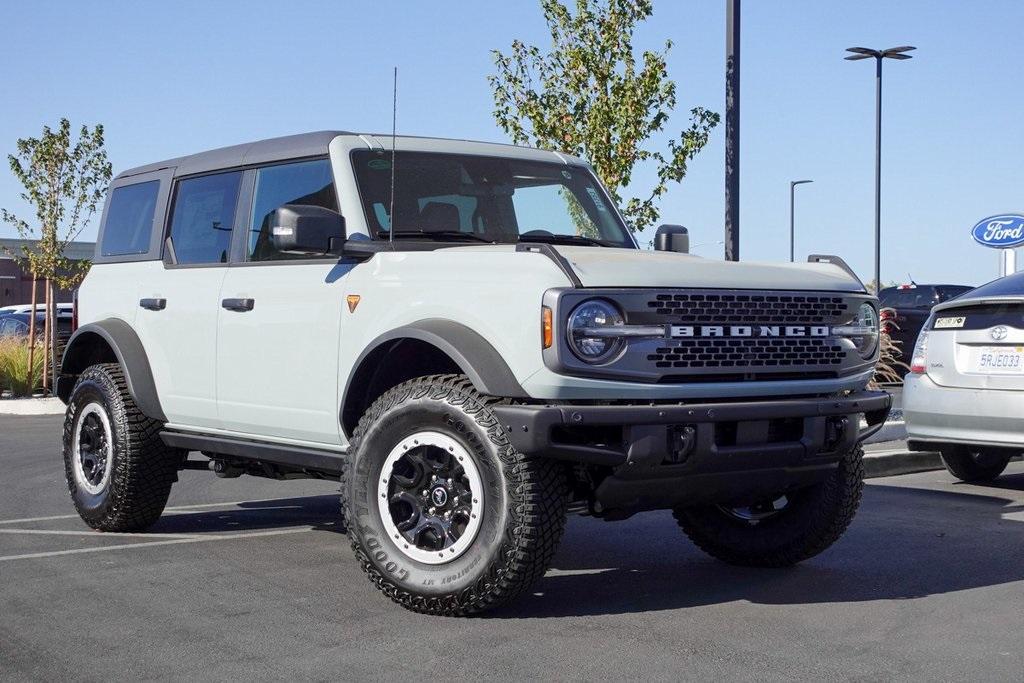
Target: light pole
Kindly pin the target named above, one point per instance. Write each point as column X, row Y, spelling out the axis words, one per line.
column 792, row 231
column 879, row 55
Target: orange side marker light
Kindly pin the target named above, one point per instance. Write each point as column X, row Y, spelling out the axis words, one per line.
column 353, row 301
column 547, row 333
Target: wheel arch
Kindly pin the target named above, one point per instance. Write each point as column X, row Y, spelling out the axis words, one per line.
column 426, row 347
column 113, row 341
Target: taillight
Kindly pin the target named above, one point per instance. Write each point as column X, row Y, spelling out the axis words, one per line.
column 74, row 310
column 919, row 361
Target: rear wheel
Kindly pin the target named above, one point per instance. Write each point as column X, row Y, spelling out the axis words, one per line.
column 118, row 470
column 444, row 516
column 781, row 530
column 967, row 464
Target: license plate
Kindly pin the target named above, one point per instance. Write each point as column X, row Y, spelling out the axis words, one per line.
column 949, row 323
column 995, row 360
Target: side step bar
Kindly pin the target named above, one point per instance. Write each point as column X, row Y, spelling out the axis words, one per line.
column 299, row 457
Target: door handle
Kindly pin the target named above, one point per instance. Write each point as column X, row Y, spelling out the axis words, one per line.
column 153, row 304
column 240, row 305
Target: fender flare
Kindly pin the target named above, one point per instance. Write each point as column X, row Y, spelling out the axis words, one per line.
column 130, row 354
column 473, row 354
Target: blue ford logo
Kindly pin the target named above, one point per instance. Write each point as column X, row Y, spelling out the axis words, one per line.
column 1000, row 232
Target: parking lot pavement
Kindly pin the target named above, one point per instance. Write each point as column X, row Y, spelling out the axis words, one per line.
column 246, row 578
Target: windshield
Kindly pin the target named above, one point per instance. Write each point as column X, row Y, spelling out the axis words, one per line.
column 484, row 199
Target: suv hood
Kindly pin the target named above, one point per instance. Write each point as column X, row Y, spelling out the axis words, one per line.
column 604, row 267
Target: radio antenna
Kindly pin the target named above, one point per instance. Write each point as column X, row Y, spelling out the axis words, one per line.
column 394, row 122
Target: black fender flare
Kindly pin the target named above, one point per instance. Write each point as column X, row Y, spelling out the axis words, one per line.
column 130, row 354
column 473, row 354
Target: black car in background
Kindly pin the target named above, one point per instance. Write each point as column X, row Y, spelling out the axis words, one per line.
column 906, row 307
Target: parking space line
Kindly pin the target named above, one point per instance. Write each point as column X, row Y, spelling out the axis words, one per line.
column 175, row 541
column 176, row 508
column 95, row 534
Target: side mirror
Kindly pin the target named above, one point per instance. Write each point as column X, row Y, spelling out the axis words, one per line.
column 305, row 229
column 672, row 238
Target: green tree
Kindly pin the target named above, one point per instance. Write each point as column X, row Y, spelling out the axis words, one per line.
column 589, row 96
column 64, row 180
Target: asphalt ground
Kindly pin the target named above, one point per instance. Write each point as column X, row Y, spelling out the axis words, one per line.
column 253, row 579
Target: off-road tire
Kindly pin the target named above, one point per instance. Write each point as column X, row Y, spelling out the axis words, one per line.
column 814, row 518
column 974, row 465
column 524, row 504
column 142, row 468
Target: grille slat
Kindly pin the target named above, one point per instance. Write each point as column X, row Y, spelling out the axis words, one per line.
column 688, row 308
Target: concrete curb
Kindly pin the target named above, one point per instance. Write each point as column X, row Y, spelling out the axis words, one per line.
column 892, row 462
column 31, row 406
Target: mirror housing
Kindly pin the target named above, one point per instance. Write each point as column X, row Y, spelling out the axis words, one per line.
column 672, row 238
column 306, row 229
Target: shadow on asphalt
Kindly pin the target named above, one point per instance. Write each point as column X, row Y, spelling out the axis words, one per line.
column 904, row 543
column 320, row 512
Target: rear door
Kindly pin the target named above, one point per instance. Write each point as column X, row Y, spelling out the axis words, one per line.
column 179, row 299
column 277, row 349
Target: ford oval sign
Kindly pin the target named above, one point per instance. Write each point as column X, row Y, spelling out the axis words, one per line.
column 1000, row 232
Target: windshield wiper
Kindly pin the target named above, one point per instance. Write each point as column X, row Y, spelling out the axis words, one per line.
column 438, row 235
column 568, row 239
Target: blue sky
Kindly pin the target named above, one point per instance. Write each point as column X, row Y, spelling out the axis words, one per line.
column 172, row 78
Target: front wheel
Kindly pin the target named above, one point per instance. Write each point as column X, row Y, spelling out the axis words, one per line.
column 444, row 516
column 976, row 465
column 782, row 530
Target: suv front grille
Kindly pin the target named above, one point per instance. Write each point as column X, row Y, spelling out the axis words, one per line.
column 745, row 309
column 747, row 353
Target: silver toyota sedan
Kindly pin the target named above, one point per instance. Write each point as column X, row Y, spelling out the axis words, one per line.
column 964, row 394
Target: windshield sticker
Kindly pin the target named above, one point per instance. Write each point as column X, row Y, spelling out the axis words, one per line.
column 378, row 164
column 596, row 198
column 949, row 323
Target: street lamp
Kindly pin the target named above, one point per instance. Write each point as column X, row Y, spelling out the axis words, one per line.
column 879, row 55
column 792, row 232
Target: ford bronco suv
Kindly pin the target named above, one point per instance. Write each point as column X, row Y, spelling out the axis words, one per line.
column 467, row 337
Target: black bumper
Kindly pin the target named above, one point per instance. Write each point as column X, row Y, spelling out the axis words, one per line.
column 665, row 455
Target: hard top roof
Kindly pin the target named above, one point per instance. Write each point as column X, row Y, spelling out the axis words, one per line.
column 314, row 144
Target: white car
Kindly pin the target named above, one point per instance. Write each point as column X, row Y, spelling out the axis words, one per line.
column 964, row 395
column 63, row 310
column 468, row 338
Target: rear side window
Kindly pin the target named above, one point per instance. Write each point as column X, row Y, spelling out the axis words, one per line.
column 129, row 225
column 305, row 182
column 204, row 214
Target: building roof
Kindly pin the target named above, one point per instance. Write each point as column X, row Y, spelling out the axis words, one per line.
column 76, row 251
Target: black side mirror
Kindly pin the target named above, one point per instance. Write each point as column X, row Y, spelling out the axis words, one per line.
column 672, row 238
column 305, row 229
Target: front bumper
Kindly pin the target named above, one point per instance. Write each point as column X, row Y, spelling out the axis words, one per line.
column 938, row 415
column 665, row 455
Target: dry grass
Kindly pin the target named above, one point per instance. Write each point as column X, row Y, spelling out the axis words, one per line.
column 14, row 375
column 886, row 370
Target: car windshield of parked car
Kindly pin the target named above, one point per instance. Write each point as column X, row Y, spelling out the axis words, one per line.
column 467, row 198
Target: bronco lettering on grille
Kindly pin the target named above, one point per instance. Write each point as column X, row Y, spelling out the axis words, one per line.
column 749, row 331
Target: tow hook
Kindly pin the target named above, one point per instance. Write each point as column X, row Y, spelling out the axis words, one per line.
column 835, row 430
column 682, row 441
column 226, row 470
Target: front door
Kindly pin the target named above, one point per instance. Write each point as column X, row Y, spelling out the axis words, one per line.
column 279, row 327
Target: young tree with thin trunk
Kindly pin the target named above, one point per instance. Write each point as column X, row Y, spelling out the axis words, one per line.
column 591, row 96
column 64, row 180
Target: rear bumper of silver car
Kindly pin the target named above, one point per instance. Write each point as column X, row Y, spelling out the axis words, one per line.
column 937, row 415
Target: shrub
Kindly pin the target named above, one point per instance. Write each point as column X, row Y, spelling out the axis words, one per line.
column 14, row 375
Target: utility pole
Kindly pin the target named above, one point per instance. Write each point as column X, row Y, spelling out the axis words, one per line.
column 878, row 55
column 732, row 130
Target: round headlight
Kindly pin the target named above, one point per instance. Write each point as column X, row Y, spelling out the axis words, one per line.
column 867, row 341
column 592, row 334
